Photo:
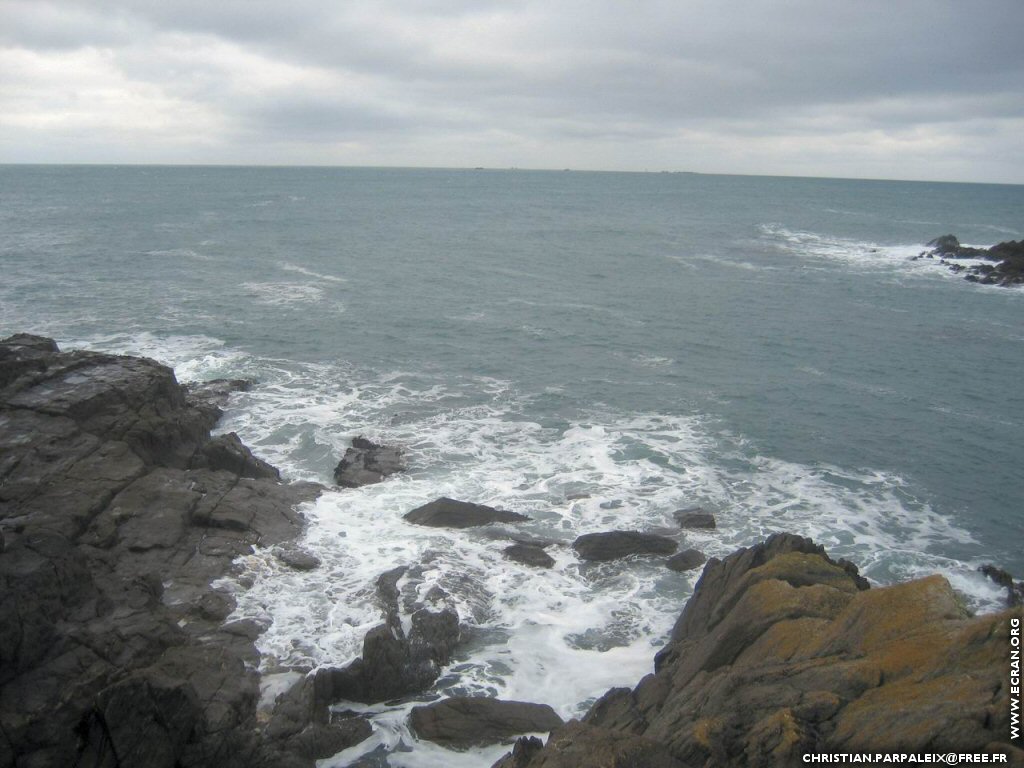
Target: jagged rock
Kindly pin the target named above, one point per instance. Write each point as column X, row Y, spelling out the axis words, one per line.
column 578, row 744
column 686, row 560
column 114, row 526
column 1014, row 589
column 525, row 749
column 449, row 513
column 1008, row 256
column 694, row 517
column 210, row 397
column 366, row 463
column 529, row 554
column 611, row 545
column 782, row 651
column 393, row 664
column 466, row 721
column 228, row 452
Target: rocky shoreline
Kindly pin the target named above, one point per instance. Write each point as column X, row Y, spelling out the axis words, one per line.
column 118, row 511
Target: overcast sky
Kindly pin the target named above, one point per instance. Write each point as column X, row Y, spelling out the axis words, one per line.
column 914, row 89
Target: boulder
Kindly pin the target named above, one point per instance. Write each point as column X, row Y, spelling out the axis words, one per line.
column 449, row 513
column 686, row 560
column 529, row 554
column 613, row 545
column 695, row 517
column 467, row 721
column 365, row 462
column 1014, row 589
column 297, row 558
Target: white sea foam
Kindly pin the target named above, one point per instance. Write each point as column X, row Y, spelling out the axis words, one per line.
column 561, row 636
column 284, row 294
column 289, row 267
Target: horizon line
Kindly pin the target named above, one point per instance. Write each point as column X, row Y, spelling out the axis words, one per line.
column 331, row 166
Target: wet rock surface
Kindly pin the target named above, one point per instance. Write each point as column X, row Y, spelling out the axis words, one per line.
column 467, row 721
column 529, row 554
column 1006, row 269
column 449, row 513
column 612, row 545
column 695, row 517
column 365, row 463
column 782, row 651
column 686, row 560
column 117, row 511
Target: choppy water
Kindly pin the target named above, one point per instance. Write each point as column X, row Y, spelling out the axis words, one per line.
column 762, row 347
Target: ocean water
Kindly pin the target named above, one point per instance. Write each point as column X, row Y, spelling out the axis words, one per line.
column 594, row 350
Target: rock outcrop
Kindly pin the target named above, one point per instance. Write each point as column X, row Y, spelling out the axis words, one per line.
column 450, row 513
column 467, row 721
column 365, row 463
column 1007, row 257
column 117, row 510
column 529, row 554
column 612, row 545
column 782, row 651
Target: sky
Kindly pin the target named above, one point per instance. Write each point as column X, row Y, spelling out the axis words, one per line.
column 908, row 89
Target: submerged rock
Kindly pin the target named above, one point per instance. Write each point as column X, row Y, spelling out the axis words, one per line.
column 612, row 545
column 449, row 513
column 465, row 721
column 365, row 463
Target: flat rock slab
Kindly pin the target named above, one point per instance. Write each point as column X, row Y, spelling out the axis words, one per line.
column 449, row 513
column 612, row 545
column 467, row 721
column 529, row 554
column 686, row 560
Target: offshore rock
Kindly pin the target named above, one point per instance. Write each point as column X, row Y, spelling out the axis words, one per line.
column 529, row 554
column 1008, row 256
column 449, row 513
column 365, row 463
column 113, row 651
column 467, row 721
column 612, row 545
column 695, row 517
column 686, row 560
column 782, row 651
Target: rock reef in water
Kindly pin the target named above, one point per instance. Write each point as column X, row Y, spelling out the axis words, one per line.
column 1008, row 260
column 782, row 652
column 366, row 462
column 117, row 511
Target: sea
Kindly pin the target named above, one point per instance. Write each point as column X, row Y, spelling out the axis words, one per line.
column 593, row 350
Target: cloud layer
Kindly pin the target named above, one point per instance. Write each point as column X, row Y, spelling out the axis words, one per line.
column 930, row 89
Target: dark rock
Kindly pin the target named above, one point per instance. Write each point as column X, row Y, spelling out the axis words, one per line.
column 529, row 554
column 464, row 721
column 296, row 558
column 317, row 741
column 525, row 749
column 210, row 397
column 227, row 452
column 393, row 665
column 1014, row 589
column 686, row 560
column 695, row 517
column 612, row 545
column 114, row 526
column 449, row 513
column 366, row 462
column 1008, row 256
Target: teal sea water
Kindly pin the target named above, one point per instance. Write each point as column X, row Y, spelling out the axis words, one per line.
column 762, row 347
